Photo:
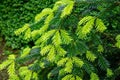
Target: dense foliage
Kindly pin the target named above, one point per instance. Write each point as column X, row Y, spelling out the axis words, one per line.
column 73, row 40
column 14, row 14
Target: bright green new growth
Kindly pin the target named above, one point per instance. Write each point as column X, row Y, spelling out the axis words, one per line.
column 68, row 66
column 57, row 53
column 100, row 48
column 57, row 39
column 27, row 34
column 51, row 54
column 45, row 50
column 10, row 64
column 94, row 76
column 45, row 12
column 67, row 10
column 21, row 30
column 118, row 41
column 78, row 62
column 25, row 73
column 87, row 24
column 90, row 56
column 25, row 52
column 109, row 72
column 100, row 25
column 66, row 39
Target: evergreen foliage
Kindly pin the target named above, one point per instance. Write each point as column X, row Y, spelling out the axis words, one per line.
column 118, row 41
column 61, row 52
